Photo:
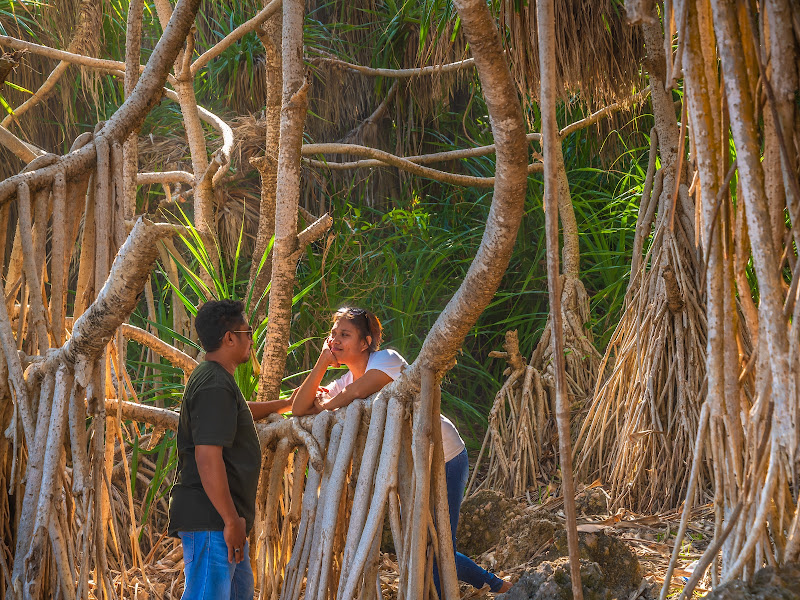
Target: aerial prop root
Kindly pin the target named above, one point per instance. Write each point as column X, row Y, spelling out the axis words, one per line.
column 523, row 406
column 516, row 424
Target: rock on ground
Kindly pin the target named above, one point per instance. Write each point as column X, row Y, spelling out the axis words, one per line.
column 769, row 583
column 620, row 566
column 525, row 537
column 483, row 518
column 609, row 569
column 592, row 501
column 551, row 581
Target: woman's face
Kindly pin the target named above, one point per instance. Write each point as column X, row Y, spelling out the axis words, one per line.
column 345, row 342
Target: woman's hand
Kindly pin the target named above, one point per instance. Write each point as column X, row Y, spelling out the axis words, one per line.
column 326, row 357
column 304, row 398
column 320, row 400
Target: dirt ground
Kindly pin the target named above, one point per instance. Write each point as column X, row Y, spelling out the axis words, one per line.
column 631, row 550
column 514, row 537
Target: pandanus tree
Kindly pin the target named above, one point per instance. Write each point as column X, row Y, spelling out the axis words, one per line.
column 702, row 366
column 723, row 301
column 599, row 75
column 740, row 74
column 657, row 353
column 67, row 370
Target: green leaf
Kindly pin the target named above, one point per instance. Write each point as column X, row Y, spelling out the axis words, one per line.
column 9, row 110
column 14, row 86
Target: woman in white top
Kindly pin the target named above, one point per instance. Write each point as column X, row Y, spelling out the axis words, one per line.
column 354, row 342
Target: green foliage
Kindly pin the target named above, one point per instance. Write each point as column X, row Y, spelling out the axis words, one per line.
column 405, row 263
column 20, row 17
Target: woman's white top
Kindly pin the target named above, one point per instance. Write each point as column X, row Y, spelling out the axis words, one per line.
column 392, row 363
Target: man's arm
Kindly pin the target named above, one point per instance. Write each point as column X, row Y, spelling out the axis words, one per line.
column 262, row 409
column 214, row 478
column 366, row 385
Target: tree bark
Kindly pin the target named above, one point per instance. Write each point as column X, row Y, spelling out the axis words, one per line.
column 203, row 188
column 745, row 136
column 267, row 165
column 133, row 48
column 293, row 115
column 118, row 297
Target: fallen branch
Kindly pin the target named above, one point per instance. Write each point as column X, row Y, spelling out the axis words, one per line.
column 397, row 73
column 405, row 164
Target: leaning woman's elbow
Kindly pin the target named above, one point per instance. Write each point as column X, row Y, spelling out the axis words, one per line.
column 298, row 410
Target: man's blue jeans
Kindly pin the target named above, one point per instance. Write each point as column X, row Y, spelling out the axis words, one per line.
column 456, row 472
column 209, row 575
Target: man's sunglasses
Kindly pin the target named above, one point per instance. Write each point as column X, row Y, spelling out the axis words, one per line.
column 249, row 332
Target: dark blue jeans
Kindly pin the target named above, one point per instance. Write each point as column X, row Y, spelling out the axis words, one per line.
column 457, row 472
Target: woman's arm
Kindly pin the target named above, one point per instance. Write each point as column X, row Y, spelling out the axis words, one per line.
column 304, row 396
column 366, row 385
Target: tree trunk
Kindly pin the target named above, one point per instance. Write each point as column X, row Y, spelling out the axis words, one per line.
column 267, row 165
column 555, row 188
column 483, row 277
column 285, row 249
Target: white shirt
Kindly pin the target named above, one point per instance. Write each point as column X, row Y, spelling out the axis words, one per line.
column 392, row 363
column 388, row 361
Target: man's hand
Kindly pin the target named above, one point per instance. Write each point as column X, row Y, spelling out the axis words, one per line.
column 260, row 410
column 211, row 467
column 235, row 536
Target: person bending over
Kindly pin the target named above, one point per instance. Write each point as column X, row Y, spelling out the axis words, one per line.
column 212, row 503
column 354, row 341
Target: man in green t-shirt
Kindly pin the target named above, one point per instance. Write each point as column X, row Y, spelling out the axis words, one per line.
column 212, row 505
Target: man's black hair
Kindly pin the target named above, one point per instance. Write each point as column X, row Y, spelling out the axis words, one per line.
column 215, row 318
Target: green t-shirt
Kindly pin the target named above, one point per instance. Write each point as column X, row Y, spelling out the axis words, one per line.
column 214, row 413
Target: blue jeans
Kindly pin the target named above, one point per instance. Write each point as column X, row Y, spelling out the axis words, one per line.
column 209, row 575
column 456, row 472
